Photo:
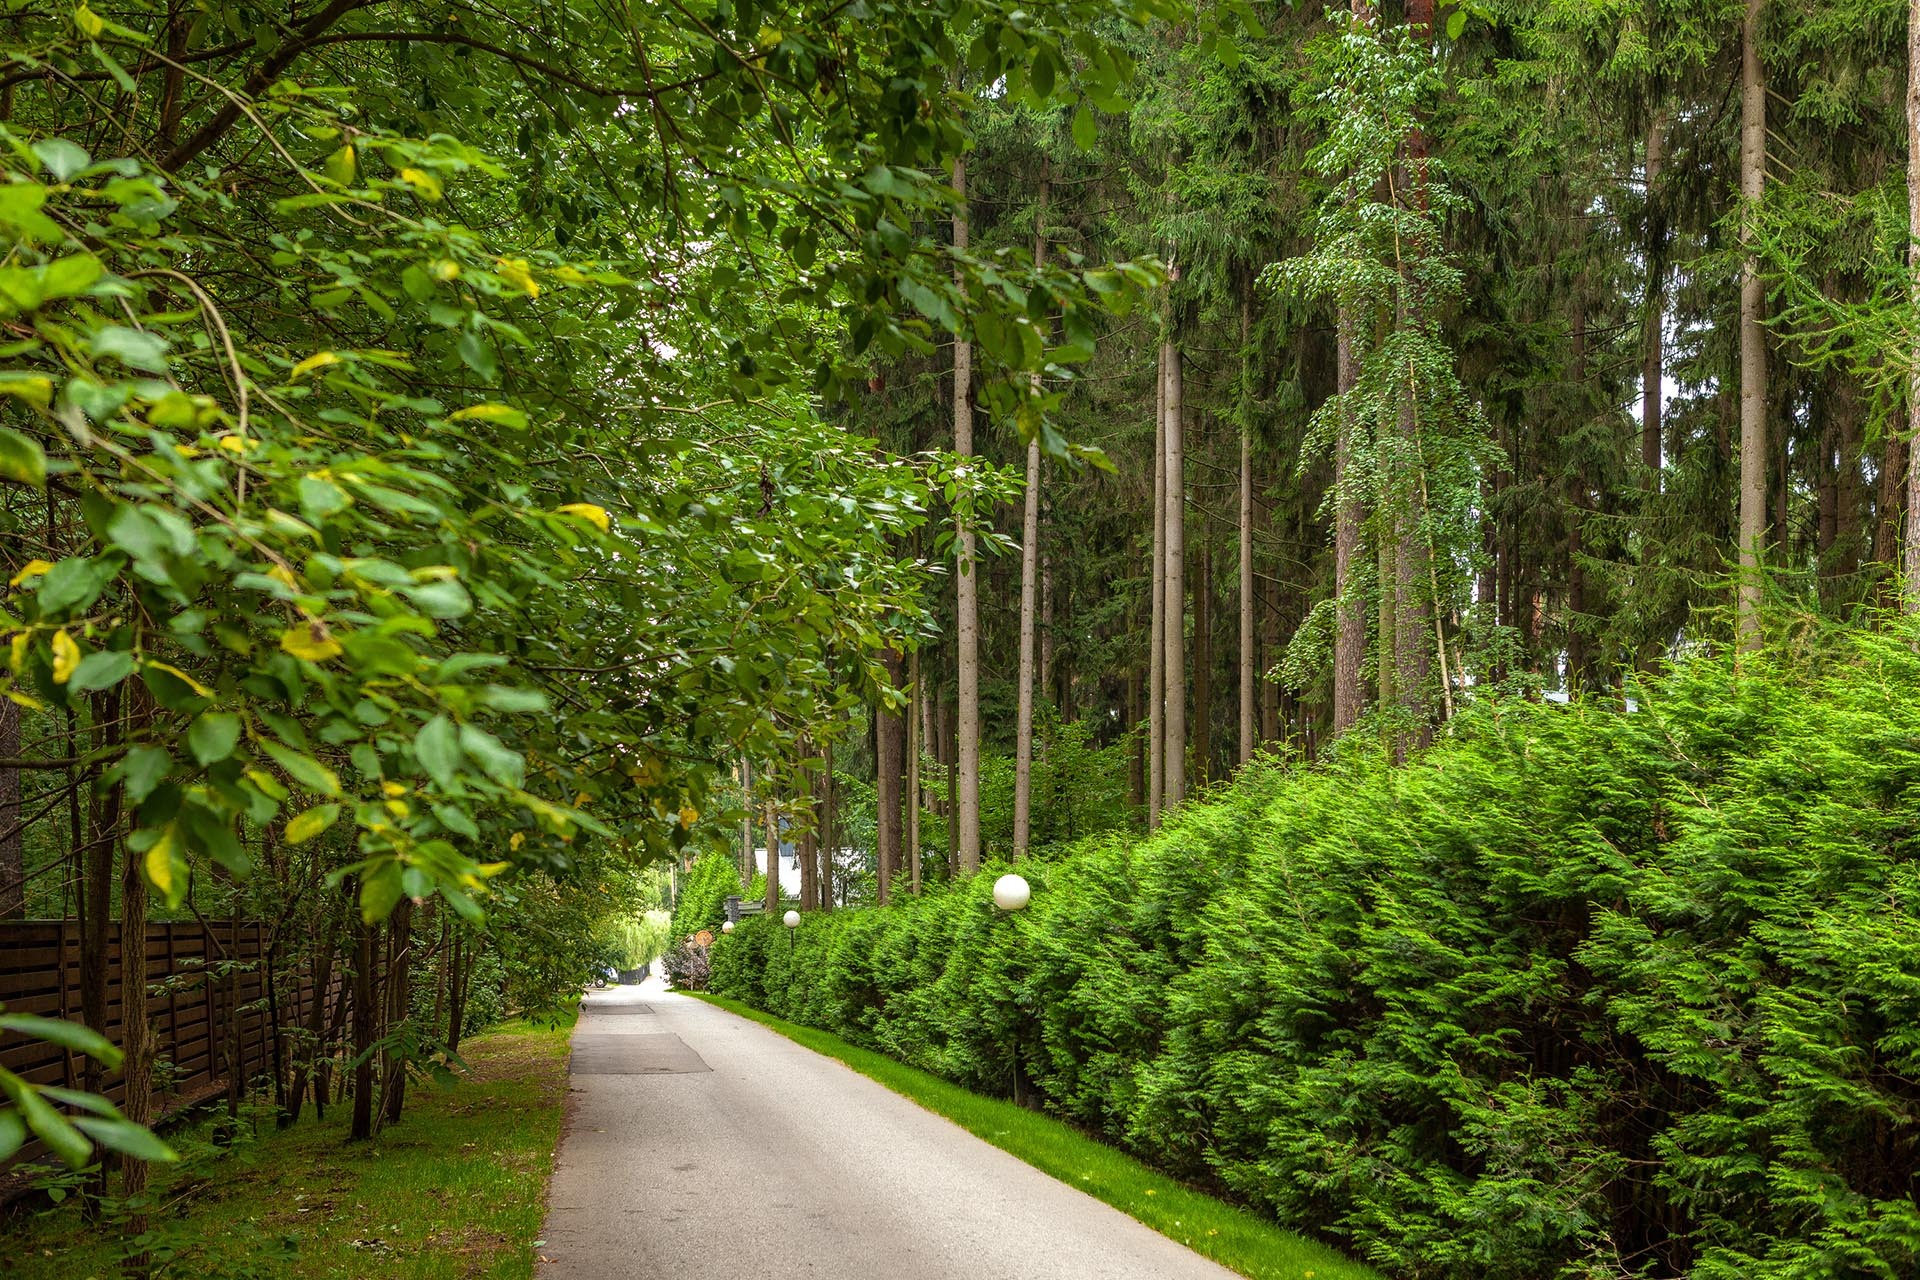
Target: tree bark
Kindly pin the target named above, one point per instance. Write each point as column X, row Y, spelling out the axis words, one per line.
column 1753, row 343
column 1203, row 660
column 136, row 1043
column 889, row 764
column 1029, row 598
column 1175, row 762
column 399, row 992
column 96, row 902
column 1910, row 559
column 916, row 704
column 1157, row 625
column 1350, row 606
column 1653, row 318
column 967, row 600
column 1249, row 663
column 365, row 1032
column 13, row 864
column 770, row 898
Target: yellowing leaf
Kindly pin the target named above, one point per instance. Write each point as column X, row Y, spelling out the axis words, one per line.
column 593, row 515
column 311, row 823
column 31, row 569
column 66, row 656
column 688, row 816
column 164, row 866
column 88, row 21
column 319, row 360
column 519, row 839
column 340, row 166
column 35, row 390
column 310, row 641
column 236, row 444
column 491, row 869
column 17, row 651
column 517, row 273
column 505, row 414
column 21, row 699
column 182, row 676
column 444, row 269
column 393, row 790
column 423, row 182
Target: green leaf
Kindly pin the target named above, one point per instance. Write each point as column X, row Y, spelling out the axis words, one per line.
column 135, row 348
column 49, row 1125
column 1086, row 131
column 380, row 891
column 437, row 748
column 21, row 460
column 213, row 736
column 120, row 1134
column 166, row 868
column 75, row 583
column 1456, row 24
column 303, row 768
column 505, row 767
column 62, row 158
column 311, row 823
column 68, row 1035
column 101, row 669
column 142, row 770
column 13, row 1133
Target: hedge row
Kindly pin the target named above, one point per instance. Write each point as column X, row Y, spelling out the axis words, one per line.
column 1581, row 992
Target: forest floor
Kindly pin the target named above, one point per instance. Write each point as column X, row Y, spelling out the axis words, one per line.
column 456, row 1189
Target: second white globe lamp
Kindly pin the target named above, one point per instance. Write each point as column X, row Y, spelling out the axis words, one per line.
column 1011, row 892
column 792, row 919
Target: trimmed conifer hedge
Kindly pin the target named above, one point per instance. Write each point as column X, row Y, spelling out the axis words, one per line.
column 1580, row 992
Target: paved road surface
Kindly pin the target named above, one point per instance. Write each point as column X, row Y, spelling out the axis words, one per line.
column 699, row 1143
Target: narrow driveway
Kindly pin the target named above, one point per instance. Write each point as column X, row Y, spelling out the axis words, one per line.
column 698, row 1143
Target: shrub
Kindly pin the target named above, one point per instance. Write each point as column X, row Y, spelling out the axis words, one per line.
column 1577, row 993
column 687, row 963
column 704, row 893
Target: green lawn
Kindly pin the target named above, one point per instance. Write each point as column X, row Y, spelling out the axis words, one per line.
column 457, row 1188
column 1231, row 1236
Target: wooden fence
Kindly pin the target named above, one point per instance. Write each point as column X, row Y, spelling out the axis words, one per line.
column 194, row 1001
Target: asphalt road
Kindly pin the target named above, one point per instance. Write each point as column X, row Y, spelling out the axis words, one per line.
column 701, row 1144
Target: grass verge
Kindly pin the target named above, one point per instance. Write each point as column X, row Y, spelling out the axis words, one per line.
column 1233, row 1237
column 457, row 1188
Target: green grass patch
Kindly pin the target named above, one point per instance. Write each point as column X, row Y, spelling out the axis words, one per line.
column 1235, row 1238
column 457, row 1188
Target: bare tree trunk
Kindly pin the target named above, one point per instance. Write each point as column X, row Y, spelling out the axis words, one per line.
column 399, row 990
column 1350, row 609
column 889, row 764
column 136, row 1043
column 916, row 704
column 1910, row 559
column 746, row 823
column 809, row 853
column 1062, row 702
column 365, row 1031
column 1653, row 319
column 1753, row 342
column 13, row 864
column 830, row 827
column 1203, row 660
column 1029, row 598
column 1157, row 626
column 96, row 901
column 967, row 598
column 771, row 895
column 1175, row 762
column 1249, row 663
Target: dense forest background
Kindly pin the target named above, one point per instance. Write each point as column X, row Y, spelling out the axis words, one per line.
column 455, row 456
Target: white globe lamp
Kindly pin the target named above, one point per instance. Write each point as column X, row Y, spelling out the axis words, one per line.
column 727, row 927
column 1012, row 892
column 792, row 919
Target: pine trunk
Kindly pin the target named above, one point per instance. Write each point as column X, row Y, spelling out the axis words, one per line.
column 1249, row 663
column 1350, row 607
column 1910, row 559
column 1754, row 454
column 916, row 745
column 1029, row 602
column 967, row 600
column 1175, row 752
column 889, row 765
column 1157, row 628
column 1653, row 319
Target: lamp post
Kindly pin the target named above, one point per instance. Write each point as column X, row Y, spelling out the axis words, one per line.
column 792, row 921
column 1012, row 893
